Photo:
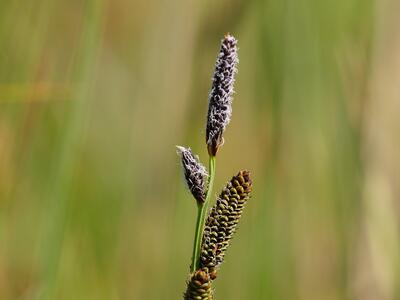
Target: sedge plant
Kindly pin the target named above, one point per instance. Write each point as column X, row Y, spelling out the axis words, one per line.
column 215, row 227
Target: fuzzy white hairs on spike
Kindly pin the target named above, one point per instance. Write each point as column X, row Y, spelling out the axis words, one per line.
column 195, row 173
column 220, row 98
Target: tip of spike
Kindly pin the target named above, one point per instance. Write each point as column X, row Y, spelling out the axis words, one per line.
column 180, row 149
column 228, row 35
column 229, row 38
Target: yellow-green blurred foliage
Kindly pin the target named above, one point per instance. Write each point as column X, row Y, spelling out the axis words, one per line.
column 95, row 94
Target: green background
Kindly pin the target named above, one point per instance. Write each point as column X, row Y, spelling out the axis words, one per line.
column 94, row 96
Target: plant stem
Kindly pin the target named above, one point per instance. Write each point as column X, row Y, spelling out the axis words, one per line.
column 201, row 217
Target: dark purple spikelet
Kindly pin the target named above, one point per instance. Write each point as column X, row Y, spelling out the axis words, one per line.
column 195, row 173
column 220, row 98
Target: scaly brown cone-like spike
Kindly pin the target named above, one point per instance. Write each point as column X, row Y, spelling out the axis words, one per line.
column 222, row 221
column 199, row 286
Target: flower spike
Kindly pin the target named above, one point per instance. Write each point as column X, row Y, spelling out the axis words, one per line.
column 195, row 173
column 220, row 98
column 222, row 221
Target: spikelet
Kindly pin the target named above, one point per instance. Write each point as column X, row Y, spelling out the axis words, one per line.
column 220, row 98
column 222, row 221
column 195, row 173
column 199, row 286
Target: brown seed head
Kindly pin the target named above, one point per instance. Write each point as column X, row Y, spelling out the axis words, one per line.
column 222, row 221
column 199, row 286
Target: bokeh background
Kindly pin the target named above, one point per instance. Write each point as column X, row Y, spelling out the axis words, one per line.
column 95, row 94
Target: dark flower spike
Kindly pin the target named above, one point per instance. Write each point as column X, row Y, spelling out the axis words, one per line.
column 199, row 286
column 220, row 98
column 195, row 173
column 222, row 221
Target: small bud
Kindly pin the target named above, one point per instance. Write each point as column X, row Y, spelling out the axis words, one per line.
column 195, row 173
column 220, row 98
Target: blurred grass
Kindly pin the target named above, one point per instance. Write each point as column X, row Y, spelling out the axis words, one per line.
column 94, row 96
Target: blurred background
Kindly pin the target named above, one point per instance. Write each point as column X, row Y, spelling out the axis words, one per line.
column 95, row 94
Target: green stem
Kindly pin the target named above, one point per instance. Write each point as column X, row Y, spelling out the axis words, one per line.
column 202, row 209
